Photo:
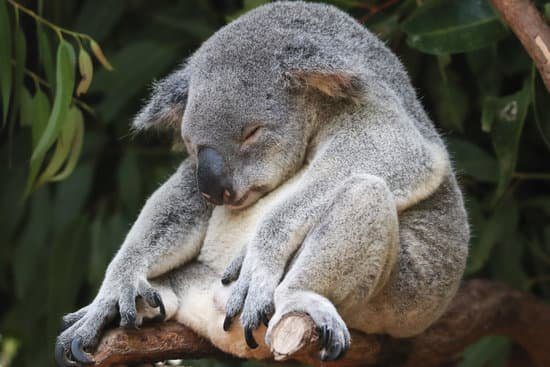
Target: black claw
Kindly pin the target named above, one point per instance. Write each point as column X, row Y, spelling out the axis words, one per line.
column 265, row 319
column 129, row 321
column 325, row 337
column 250, row 338
column 78, row 352
column 342, row 352
column 227, row 323
column 226, row 279
column 160, row 305
column 61, row 357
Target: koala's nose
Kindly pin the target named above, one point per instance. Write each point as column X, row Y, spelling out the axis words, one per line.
column 212, row 178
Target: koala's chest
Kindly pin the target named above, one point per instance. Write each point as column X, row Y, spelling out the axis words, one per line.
column 230, row 231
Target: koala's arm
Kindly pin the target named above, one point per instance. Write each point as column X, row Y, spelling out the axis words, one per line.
column 168, row 231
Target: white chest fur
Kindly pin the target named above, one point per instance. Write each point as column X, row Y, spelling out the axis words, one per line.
column 230, row 231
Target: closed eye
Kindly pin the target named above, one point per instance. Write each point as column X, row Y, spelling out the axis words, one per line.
column 251, row 133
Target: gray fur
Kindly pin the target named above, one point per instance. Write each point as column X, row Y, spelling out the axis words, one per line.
column 356, row 216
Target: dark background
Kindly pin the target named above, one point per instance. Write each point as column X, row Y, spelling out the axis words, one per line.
column 473, row 76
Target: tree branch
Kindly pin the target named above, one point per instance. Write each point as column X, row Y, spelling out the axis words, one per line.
column 532, row 31
column 480, row 308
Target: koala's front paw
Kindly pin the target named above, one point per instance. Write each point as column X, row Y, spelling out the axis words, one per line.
column 252, row 296
column 81, row 330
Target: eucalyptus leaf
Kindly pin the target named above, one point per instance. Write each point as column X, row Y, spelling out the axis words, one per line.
column 76, row 148
column 500, row 225
column 86, row 72
column 63, row 146
column 453, row 26
column 98, row 52
column 26, row 108
column 41, row 112
column 45, row 53
column 473, row 161
column 508, row 114
column 19, row 70
column 5, row 59
column 63, row 95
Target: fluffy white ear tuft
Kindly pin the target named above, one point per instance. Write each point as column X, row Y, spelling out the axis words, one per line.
column 165, row 107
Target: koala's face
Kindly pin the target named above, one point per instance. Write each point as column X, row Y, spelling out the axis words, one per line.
column 246, row 135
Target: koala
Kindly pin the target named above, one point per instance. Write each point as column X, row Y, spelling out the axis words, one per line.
column 315, row 182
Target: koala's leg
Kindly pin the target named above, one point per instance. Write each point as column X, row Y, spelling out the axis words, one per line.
column 346, row 258
column 433, row 238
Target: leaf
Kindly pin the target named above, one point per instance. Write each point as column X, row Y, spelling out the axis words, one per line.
column 76, row 148
column 501, row 225
column 490, row 351
column 473, row 161
column 453, row 26
column 5, row 59
column 45, row 53
column 508, row 117
column 20, row 60
column 483, row 64
column 100, row 56
column 63, row 96
column 26, row 108
column 506, row 263
column 68, row 135
column 41, row 109
column 86, row 72
column 453, row 105
column 541, row 98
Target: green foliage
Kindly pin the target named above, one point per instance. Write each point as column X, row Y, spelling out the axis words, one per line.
column 65, row 141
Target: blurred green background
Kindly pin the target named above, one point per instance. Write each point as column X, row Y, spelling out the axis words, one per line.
column 72, row 178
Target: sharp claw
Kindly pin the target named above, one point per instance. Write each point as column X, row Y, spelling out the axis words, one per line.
column 129, row 321
column 78, row 353
column 324, row 337
column 226, row 280
column 265, row 320
column 61, row 357
column 227, row 323
column 160, row 305
column 250, row 338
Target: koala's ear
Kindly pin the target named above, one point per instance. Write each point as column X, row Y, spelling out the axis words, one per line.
column 334, row 83
column 165, row 107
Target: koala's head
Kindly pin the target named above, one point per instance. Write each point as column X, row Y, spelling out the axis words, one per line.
column 246, row 110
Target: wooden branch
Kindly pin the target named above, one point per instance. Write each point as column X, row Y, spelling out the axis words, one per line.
column 480, row 308
column 532, row 31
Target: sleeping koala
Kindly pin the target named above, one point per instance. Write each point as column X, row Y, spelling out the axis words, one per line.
column 315, row 183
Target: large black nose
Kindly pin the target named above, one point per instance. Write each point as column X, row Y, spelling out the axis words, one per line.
column 212, row 178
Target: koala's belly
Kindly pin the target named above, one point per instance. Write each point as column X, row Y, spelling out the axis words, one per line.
column 230, row 231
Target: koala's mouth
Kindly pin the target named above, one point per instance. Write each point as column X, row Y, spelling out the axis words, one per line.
column 249, row 198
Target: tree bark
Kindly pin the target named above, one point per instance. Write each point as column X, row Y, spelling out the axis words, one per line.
column 479, row 309
column 534, row 34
